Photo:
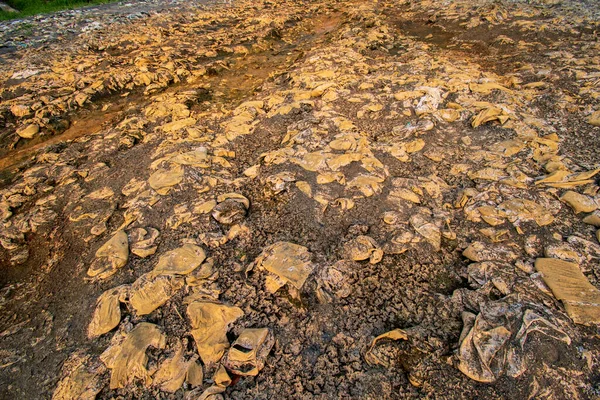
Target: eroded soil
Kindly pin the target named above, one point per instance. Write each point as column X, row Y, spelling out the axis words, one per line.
column 304, row 199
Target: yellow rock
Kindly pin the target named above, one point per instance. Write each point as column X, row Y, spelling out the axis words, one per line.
column 490, row 215
column 391, row 217
column 224, row 153
column 195, row 374
column 101, row 194
column 401, row 96
column 562, row 251
column 554, row 165
column 556, row 176
column 478, row 251
column 495, row 236
column 252, row 172
column 434, row 187
column 81, row 98
column 593, row 219
column 435, row 155
column 234, row 196
column 133, row 186
column 508, row 147
column 313, row 161
column 343, row 144
column 221, row 377
column 535, row 85
column 328, row 177
column 583, row 176
column 256, row 104
column 279, row 182
column 459, row 169
column 569, row 184
column 343, row 124
column 235, row 129
column 375, row 107
column 142, row 241
column 275, row 100
column 562, row 178
column 180, row 216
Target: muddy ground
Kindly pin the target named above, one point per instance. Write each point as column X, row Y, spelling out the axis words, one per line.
column 435, row 163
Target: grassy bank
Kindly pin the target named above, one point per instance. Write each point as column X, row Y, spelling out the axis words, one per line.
column 33, row 7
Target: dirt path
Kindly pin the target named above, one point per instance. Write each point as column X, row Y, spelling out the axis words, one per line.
column 237, row 200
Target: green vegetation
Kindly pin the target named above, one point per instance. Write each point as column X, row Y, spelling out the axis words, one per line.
column 32, row 7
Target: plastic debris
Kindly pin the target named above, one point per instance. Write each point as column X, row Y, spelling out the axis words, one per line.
column 111, row 256
column 568, row 284
column 149, row 292
column 248, row 353
column 142, row 241
column 210, row 323
column 127, row 360
column 108, row 312
column 287, row 262
column 180, row 261
column 231, row 208
column 81, row 380
column 492, row 342
column 363, row 248
column 396, row 334
column 579, row 202
column 164, row 179
column 175, row 370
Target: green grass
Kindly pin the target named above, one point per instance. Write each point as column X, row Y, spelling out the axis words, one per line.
column 33, row 7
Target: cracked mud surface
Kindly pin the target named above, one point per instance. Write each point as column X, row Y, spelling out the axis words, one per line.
column 302, row 200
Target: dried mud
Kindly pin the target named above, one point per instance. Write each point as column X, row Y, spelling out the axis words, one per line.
column 417, row 156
